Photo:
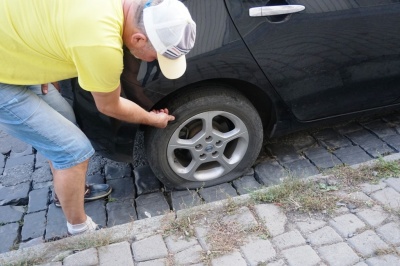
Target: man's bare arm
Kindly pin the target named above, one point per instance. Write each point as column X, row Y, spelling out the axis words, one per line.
column 111, row 104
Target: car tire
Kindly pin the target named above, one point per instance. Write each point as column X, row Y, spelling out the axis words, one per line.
column 216, row 137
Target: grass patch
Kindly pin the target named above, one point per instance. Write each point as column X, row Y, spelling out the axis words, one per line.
column 299, row 195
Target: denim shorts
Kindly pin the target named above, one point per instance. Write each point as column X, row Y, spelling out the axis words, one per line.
column 46, row 122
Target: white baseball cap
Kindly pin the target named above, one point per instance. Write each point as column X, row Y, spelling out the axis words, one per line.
column 172, row 32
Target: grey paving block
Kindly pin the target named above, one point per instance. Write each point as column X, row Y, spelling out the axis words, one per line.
column 95, row 179
column 390, row 232
column 202, row 235
column 27, row 160
column 246, row 184
column 374, row 216
column 145, row 180
column 121, row 212
column 176, row 244
column 310, row 225
column 8, row 236
column 115, row 170
column 339, row 254
column 184, row 199
column 370, row 143
column 15, row 195
column 96, row 164
column 303, row 141
column 348, row 127
column 242, row 217
column 324, row 236
column 289, row 239
column 42, row 174
column 5, row 143
column 370, row 188
column 158, row 262
column 367, row 243
column 10, row 214
column 233, row 258
column 219, row 192
column 394, row 183
column 301, row 168
column 150, row 205
column 283, row 152
column 97, row 211
column 388, row 196
column 270, row 173
column 393, row 141
column 31, row 243
column 115, row 254
column 34, row 225
column 2, row 163
column 273, row 218
column 56, row 226
column 352, row 155
column 85, row 257
column 189, row 256
column 258, row 251
column 380, row 128
column 387, row 260
column 301, row 256
column 331, row 139
column 40, row 160
column 346, row 224
column 149, row 249
column 322, row 158
column 38, row 200
column 19, row 148
column 123, row 188
column 18, row 174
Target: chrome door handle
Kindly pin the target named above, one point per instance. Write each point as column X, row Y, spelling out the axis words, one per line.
column 274, row 10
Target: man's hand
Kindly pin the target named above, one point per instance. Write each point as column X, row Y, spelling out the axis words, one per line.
column 45, row 87
column 162, row 117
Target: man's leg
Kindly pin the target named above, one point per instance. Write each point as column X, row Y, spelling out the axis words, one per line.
column 25, row 116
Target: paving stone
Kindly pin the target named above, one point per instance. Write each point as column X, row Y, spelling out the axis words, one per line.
column 273, row 218
column 27, row 161
column 243, row 217
column 374, row 216
column 8, row 236
column 258, row 251
column 95, row 179
column 324, row 236
column 310, row 225
column 393, row 141
column 346, row 224
column 48, row 185
column 121, row 212
column 86, row 257
column 380, row 128
column 15, row 195
column 390, row 232
column 123, row 188
column 394, row 183
column 201, row 234
column 189, row 256
column 10, row 214
column 40, row 160
column 289, row 239
column 52, row 264
column 5, row 143
column 303, row 141
column 176, row 244
column 56, row 226
column 115, row 170
column 38, row 200
column 370, row 143
column 246, row 184
column 96, row 164
column 359, row 196
column 158, row 262
column 228, row 260
column 115, row 254
column 347, row 128
column 97, row 211
column 17, row 174
column 367, row 243
column 387, row 260
column 301, row 168
column 34, row 225
column 270, row 173
column 277, row 263
column 219, row 192
column 2, row 163
column 301, row 256
column 150, row 205
column 31, row 243
column 331, row 139
column 145, row 180
column 184, row 199
column 352, row 155
column 388, row 196
column 339, row 254
column 154, row 243
column 370, row 188
column 19, row 148
column 42, row 174
column 322, row 158
column 284, row 153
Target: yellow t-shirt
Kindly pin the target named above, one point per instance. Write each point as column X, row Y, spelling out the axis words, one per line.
column 44, row 41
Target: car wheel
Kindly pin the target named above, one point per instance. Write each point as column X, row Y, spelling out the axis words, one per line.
column 215, row 138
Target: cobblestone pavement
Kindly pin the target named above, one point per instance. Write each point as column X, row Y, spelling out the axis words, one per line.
column 28, row 217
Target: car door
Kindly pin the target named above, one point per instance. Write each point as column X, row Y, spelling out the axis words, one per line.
column 329, row 57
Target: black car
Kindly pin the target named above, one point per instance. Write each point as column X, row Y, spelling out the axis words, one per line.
column 259, row 69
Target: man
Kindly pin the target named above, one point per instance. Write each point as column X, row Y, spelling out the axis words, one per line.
column 43, row 41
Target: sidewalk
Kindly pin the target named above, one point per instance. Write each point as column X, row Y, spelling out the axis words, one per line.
column 238, row 231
